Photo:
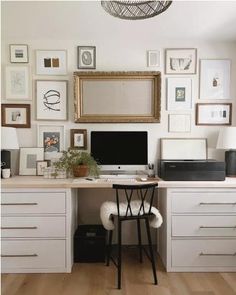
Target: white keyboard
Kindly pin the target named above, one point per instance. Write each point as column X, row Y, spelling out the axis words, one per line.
column 121, row 176
column 120, row 180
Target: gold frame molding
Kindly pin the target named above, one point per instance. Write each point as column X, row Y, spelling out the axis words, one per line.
column 154, row 117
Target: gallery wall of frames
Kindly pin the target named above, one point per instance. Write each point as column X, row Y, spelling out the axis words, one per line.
column 38, row 88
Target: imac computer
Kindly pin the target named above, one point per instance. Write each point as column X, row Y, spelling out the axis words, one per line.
column 120, row 152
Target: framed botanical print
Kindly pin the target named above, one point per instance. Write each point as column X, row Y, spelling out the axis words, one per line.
column 51, row 62
column 51, row 100
column 180, row 61
column 17, row 83
column 86, row 56
column 179, row 94
column 215, row 79
column 19, row 53
column 78, row 138
column 213, row 114
column 28, row 160
column 16, row 115
column 51, row 138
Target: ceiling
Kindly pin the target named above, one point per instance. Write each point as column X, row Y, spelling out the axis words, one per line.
column 86, row 20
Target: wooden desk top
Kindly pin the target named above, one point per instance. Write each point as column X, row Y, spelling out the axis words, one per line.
column 40, row 182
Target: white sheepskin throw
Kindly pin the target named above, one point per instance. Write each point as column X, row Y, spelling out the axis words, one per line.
column 110, row 208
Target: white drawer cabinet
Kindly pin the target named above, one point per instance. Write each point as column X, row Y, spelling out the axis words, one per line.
column 37, row 229
column 199, row 229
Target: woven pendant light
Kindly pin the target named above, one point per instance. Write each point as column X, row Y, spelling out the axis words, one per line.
column 133, row 10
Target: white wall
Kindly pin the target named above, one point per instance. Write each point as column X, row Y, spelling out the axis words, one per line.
column 120, row 50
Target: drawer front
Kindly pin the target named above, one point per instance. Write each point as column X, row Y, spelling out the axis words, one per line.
column 34, row 227
column 33, row 254
column 202, row 225
column 33, row 202
column 200, row 253
column 203, row 201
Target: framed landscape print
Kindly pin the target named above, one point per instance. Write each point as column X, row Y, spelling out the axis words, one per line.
column 180, row 61
column 86, row 56
column 215, row 79
column 78, row 138
column 19, row 53
column 28, row 160
column 16, row 115
column 213, row 113
column 179, row 94
column 51, row 100
column 17, row 83
column 51, row 138
column 51, row 62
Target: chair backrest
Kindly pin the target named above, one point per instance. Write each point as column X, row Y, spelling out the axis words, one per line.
column 144, row 193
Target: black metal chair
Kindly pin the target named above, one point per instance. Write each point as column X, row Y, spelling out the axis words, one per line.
column 145, row 194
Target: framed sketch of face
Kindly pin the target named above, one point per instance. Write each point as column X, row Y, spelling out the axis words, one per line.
column 78, row 139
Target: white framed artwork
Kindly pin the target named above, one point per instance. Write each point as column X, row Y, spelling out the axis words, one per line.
column 179, row 94
column 179, row 123
column 51, row 100
column 28, row 160
column 215, row 79
column 17, row 83
column 51, row 62
column 19, row 53
column 52, row 139
column 153, row 58
column 86, row 57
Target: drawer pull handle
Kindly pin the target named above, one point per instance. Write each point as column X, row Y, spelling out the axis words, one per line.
column 16, row 204
column 217, row 226
column 217, row 254
column 19, row 227
column 20, row 255
column 217, row 204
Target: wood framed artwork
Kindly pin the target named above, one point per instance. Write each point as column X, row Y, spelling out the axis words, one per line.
column 51, row 138
column 28, row 160
column 213, row 114
column 180, row 61
column 179, row 123
column 19, row 53
column 17, row 83
column 16, row 115
column 179, row 94
column 99, row 97
column 51, row 100
column 51, row 62
column 86, row 57
column 215, row 79
column 78, row 139
column 153, row 58
column 40, row 165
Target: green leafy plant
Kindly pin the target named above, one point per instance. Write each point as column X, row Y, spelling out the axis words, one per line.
column 74, row 158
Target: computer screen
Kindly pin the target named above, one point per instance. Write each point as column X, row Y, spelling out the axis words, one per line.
column 120, row 148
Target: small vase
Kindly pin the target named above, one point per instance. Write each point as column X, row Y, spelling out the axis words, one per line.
column 80, row 171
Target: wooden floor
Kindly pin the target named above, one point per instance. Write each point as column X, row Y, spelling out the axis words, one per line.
column 97, row 279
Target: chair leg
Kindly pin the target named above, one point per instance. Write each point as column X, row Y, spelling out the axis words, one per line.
column 110, row 232
column 139, row 241
column 119, row 253
column 151, row 250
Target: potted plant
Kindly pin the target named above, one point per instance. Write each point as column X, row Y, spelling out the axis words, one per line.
column 81, row 164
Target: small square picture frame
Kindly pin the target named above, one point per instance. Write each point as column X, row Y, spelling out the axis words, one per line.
column 19, row 53
column 86, row 57
column 16, row 115
column 40, row 165
column 28, row 160
column 78, row 139
column 153, row 58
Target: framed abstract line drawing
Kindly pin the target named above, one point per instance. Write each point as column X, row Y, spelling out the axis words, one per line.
column 179, row 94
column 16, row 115
column 213, row 114
column 86, row 57
column 78, row 139
column 180, row 61
column 51, row 100
column 51, row 62
column 19, row 53
column 28, row 160
column 215, row 79
column 17, row 83
column 51, row 138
